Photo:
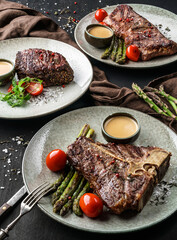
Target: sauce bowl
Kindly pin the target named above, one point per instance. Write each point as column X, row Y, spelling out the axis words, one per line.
column 98, row 42
column 129, row 138
column 7, row 76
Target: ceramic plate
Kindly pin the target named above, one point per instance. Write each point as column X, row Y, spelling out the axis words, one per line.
column 52, row 98
column 62, row 131
column 156, row 15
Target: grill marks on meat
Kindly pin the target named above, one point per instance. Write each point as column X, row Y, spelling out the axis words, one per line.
column 137, row 30
column 122, row 175
column 51, row 67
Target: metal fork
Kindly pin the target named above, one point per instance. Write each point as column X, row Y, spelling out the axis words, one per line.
column 27, row 204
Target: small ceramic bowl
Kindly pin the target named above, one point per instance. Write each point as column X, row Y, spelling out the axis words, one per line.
column 128, row 139
column 7, row 77
column 97, row 41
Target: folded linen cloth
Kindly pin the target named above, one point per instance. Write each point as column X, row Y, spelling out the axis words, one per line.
column 17, row 20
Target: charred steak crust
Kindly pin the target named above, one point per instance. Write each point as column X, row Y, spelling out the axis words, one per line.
column 51, row 67
column 123, row 176
column 137, row 30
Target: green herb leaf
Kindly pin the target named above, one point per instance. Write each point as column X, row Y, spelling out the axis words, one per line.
column 18, row 96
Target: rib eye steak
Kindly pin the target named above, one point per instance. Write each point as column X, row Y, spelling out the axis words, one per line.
column 137, row 30
column 51, row 67
column 123, row 176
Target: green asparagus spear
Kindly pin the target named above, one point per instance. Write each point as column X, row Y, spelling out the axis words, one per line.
column 90, row 133
column 68, row 192
column 84, row 130
column 148, row 100
column 161, row 104
column 61, row 177
column 65, row 209
column 122, row 59
column 62, row 187
column 108, row 50
column 76, row 207
column 114, row 51
column 119, row 51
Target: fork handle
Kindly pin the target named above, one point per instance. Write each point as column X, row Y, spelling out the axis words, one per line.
column 3, row 234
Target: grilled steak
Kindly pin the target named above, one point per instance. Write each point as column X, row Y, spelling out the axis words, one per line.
column 137, row 30
column 51, row 67
column 123, row 176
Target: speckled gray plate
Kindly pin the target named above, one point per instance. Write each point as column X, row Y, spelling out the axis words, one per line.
column 52, row 98
column 154, row 14
column 62, row 131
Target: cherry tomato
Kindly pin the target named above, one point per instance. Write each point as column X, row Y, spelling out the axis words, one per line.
column 35, row 88
column 91, row 205
column 10, row 88
column 133, row 53
column 103, row 23
column 56, row 160
column 100, row 15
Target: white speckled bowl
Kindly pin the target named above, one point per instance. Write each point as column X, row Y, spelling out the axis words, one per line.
column 62, row 131
column 154, row 14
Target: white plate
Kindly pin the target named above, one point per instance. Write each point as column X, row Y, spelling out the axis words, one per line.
column 62, row 131
column 154, row 14
column 52, row 98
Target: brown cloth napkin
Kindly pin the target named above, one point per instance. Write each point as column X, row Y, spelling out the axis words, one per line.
column 17, row 20
column 106, row 93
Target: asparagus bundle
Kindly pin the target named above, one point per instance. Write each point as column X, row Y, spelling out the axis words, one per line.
column 65, row 209
column 76, row 207
column 161, row 104
column 148, row 100
column 116, row 51
column 171, row 100
column 158, row 105
column 71, row 186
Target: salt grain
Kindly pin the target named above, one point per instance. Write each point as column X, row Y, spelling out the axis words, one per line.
column 50, row 94
column 2, row 188
column 5, row 150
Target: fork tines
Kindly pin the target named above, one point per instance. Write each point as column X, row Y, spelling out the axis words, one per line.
column 37, row 194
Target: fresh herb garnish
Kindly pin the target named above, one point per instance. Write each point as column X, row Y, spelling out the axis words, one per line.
column 18, row 95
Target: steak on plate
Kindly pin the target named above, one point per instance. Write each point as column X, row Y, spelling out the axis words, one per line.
column 123, row 176
column 137, row 30
column 51, row 67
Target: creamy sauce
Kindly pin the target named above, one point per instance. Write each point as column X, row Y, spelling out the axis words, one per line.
column 100, row 32
column 5, row 67
column 120, row 126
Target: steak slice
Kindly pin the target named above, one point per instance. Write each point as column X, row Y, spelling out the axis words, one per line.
column 123, row 176
column 51, row 67
column 137, row 30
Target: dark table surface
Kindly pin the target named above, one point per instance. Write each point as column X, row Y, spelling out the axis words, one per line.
column 37, row 225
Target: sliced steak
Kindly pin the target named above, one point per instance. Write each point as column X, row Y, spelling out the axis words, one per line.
column 123, row 176
column 137, row 30
column 51, row 67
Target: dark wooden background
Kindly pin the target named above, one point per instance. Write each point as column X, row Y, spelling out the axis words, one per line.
column 37, row 225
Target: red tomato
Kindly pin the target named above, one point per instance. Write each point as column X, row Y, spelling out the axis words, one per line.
column 56, row 160
column 91, row 205
column 103, row 23
column 100, row 15
column 133, row 53
column 10, row 88
column 35, row 88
